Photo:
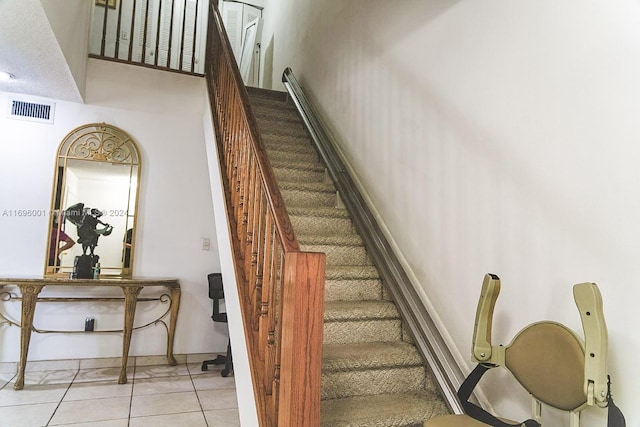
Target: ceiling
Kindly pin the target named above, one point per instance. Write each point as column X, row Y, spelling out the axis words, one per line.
column 40, row 50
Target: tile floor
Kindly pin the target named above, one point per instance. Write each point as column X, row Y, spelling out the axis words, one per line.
column 86, row 393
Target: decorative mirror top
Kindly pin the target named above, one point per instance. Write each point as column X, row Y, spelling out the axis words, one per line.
column 99, row 142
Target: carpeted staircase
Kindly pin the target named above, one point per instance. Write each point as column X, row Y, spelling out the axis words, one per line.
column 372, row 375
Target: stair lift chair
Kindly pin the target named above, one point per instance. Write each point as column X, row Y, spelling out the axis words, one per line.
column 555, row 365
column 216, row 293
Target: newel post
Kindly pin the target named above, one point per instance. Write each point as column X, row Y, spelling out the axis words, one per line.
column 301, row 351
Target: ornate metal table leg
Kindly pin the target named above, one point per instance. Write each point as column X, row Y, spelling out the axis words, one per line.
column 130, row 301
column 29, row 300
column 175, row 306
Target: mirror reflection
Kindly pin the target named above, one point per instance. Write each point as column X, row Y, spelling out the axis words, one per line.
column 94, row 202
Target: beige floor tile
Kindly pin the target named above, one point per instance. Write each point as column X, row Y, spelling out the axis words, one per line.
column 59, row 393
column 199, row 357
column 105, row 362
column 162, row 404
column 102, row 374
column 98, row 390
column 110, row 423
column 53, row 365
column 159, row 360
column 5, row 379
column 196, row 368
column 27, row 416
column 213, row 380
column 8, row 367
column 218, row 399
column 79, row 411
column 223, row 418
column 33, row 394
column 162, row 385
column 190, row 419
column 157, row 371
column 62, row 376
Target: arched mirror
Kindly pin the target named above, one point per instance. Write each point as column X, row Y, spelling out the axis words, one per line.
column 94, row 204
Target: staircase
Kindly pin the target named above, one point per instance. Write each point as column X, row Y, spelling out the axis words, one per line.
column 372, row 375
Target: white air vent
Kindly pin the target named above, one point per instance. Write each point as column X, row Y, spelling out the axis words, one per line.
column 41, row 112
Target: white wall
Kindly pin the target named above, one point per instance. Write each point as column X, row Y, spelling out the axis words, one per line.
column 241, row 369
column 492, row 136
column 163, row 112
column 73, row 39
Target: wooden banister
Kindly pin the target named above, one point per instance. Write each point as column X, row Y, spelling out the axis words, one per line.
column 281, row 288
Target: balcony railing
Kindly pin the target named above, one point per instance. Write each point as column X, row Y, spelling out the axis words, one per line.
column 165, row 34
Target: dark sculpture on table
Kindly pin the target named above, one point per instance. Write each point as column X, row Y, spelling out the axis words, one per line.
column 86, row 220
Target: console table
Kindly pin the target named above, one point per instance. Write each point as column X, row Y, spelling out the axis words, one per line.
column 30, row 289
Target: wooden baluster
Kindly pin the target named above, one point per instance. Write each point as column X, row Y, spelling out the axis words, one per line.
column 258, row 246
column 262, row 294
column 251, row 203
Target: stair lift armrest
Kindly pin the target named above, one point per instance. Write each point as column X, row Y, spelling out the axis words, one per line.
column 483, row 351
column 589, row 302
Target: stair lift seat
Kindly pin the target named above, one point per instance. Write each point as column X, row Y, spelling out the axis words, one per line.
column 555, row 365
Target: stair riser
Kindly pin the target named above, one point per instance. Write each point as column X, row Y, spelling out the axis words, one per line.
column 302, row 157
column 298, row 175
column 352, row 290
column 308, row 198
column 290, row 146
column 362, row 331
column 270, row 115
column 341, row 255
column 304, row 167
column 318, row 225
column 275, row 124
column 288, row 142
column 259, row 102
column 337, row 385
column 284, row 131
column 279, row 109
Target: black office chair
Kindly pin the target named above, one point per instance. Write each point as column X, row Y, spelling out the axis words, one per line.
column 216, row 293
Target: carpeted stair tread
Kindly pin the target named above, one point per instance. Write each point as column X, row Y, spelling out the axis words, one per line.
column 278, row 131
column 277, row 146
column 385, row 410
column 292, row 164
column 260, row 105
column 283, row 128
column 337, row 311
column 353, row 289
column 376, row 355
column 353, row 272
column 352, row 239
column 271, row 139
column 267, row 94
column 283, row 155
column 268, row 118
column 318, row 187
column 324, row 212
column 321, row 224
column 264, row 110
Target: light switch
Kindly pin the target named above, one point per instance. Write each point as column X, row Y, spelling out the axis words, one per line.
column 206, row 243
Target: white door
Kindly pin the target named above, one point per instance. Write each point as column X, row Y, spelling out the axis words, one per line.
column 237, row 18
column 248, row 65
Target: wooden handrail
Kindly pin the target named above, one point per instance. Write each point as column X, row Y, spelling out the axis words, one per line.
column 281, row 288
